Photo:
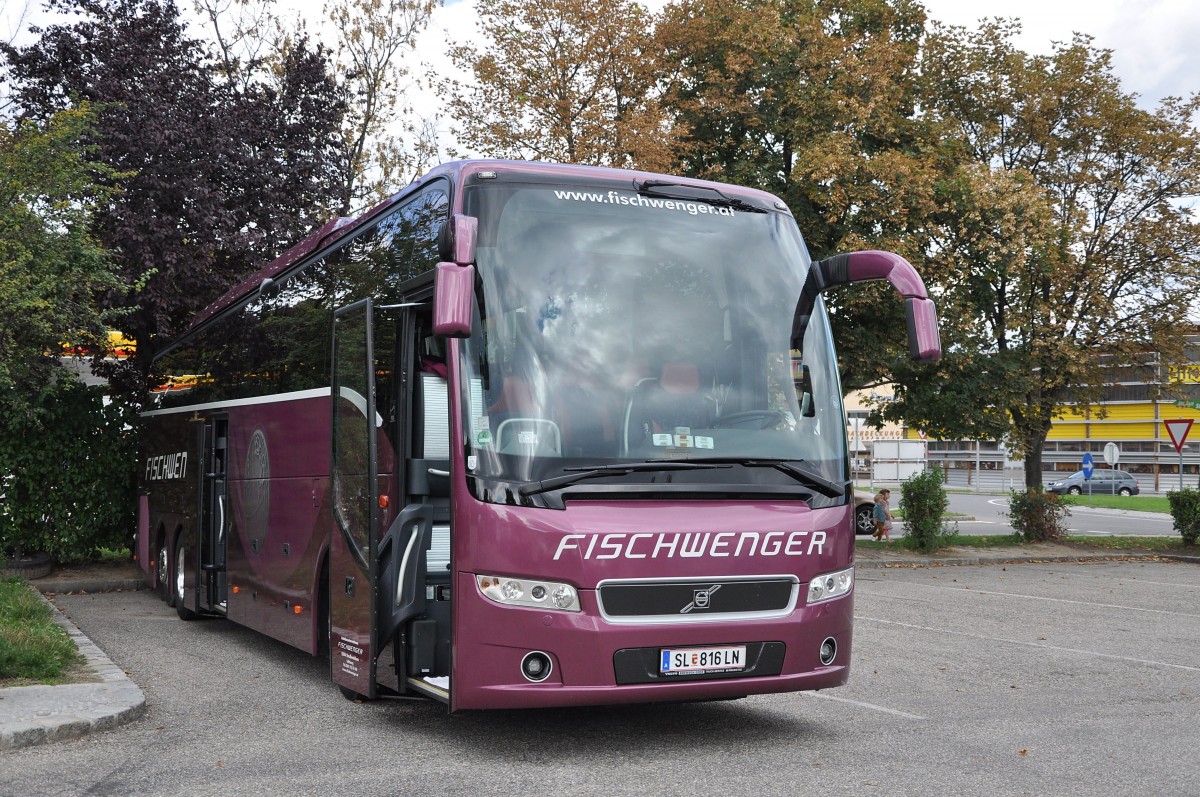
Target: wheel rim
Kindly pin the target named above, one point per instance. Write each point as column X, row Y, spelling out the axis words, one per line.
column 179, row 576
column 162, row 566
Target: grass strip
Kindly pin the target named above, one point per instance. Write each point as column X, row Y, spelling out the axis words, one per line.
column 1136, row 503
column 33, row 648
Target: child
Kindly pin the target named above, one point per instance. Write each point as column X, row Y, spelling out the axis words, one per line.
column 883, row 515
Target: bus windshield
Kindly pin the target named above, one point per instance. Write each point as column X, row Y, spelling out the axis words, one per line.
column 622, row 328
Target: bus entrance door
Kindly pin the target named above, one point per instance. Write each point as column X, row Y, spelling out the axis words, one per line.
column 355, row 490
column 215, row 513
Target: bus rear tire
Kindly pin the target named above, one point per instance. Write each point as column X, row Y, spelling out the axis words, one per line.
column 177, row 585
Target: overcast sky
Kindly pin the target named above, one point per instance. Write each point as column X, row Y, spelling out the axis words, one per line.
column 1155, row 43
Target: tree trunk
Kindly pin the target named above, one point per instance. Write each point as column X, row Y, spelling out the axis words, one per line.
column 1033, row 462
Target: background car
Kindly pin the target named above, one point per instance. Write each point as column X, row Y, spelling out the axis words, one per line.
column 864, row 505
column 1104, row 482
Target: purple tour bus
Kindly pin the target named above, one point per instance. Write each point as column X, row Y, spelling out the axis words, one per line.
column 524, row 435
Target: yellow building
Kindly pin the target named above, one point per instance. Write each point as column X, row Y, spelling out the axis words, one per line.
column 1131, row 416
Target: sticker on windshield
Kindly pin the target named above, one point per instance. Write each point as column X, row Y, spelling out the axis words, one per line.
column 681, row 440
column 483, row 439
column 641, row 201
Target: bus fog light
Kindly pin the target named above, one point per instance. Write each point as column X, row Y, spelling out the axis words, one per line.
column 828, row 650
column 536, row 666
column 538, row 594
column 830, row 586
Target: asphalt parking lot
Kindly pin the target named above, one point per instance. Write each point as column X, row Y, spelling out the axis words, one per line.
column 1040, row 679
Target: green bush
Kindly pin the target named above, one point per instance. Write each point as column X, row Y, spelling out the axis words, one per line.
column 1185, row 511
column 924, row 502
column 67, row 475
column 1038, row 516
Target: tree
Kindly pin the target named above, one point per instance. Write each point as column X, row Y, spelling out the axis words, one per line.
column 246, row 33
column 1062, row 247
column 50, row 265
column 217, row 177
column 371, row 36
column 562, row 80
column 50, row 268
column 814, row 101
column 818, row 103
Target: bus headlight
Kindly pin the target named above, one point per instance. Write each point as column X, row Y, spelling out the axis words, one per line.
column 527, row 592
column 830, row 586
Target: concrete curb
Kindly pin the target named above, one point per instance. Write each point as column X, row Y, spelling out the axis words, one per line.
column 964, row 561
column 51, row 587
column 32, row 715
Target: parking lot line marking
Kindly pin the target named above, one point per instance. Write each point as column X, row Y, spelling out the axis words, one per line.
column 1056, row 648
column 1057, row 600
column 861, row 704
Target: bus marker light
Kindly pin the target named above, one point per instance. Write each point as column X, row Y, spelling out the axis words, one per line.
column 297, row 608
column 383, row 502
column 236, row 590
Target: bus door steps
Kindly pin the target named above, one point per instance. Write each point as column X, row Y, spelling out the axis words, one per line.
column 437, row 688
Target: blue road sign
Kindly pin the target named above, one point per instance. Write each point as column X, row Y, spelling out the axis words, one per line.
column 1088, row 465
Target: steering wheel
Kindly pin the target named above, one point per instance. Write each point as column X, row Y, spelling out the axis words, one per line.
column 749, row 419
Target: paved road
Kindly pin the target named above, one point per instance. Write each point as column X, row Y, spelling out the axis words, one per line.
column 1025, row 679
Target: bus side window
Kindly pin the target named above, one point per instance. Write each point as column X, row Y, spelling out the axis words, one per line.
column 431, row 461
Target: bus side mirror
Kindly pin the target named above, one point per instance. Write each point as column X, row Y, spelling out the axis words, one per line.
column 456, row 239
column 924, row 342
column 453, row 291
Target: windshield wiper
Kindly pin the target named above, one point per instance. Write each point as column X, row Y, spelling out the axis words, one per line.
column 581, row 474
column 656, row 188
column 805, row 476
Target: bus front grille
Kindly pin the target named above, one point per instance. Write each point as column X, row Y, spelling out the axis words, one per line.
column 697, row 600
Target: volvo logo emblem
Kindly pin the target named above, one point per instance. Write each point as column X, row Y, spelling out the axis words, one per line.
column 701, row 599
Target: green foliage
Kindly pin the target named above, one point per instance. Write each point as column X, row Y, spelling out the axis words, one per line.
column 68, row 475
column 50, row 267
column 1060, row 231
column 1038, row 516
column 32, row 646
column 924, row 501
column 216, row 178
column 1185, row 511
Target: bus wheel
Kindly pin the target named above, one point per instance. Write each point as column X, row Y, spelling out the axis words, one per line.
column 162, row 573
column 177, row 582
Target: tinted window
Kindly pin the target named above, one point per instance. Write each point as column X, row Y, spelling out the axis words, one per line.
column 280, row 344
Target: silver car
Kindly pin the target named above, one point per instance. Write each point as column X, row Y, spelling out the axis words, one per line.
column 1103, row 482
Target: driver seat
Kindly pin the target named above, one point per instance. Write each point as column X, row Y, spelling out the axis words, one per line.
column 660, row 406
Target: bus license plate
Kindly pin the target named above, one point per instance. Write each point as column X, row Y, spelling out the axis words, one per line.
column 685, row 660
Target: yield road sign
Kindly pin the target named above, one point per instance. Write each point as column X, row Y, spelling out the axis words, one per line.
column 1178, row 429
